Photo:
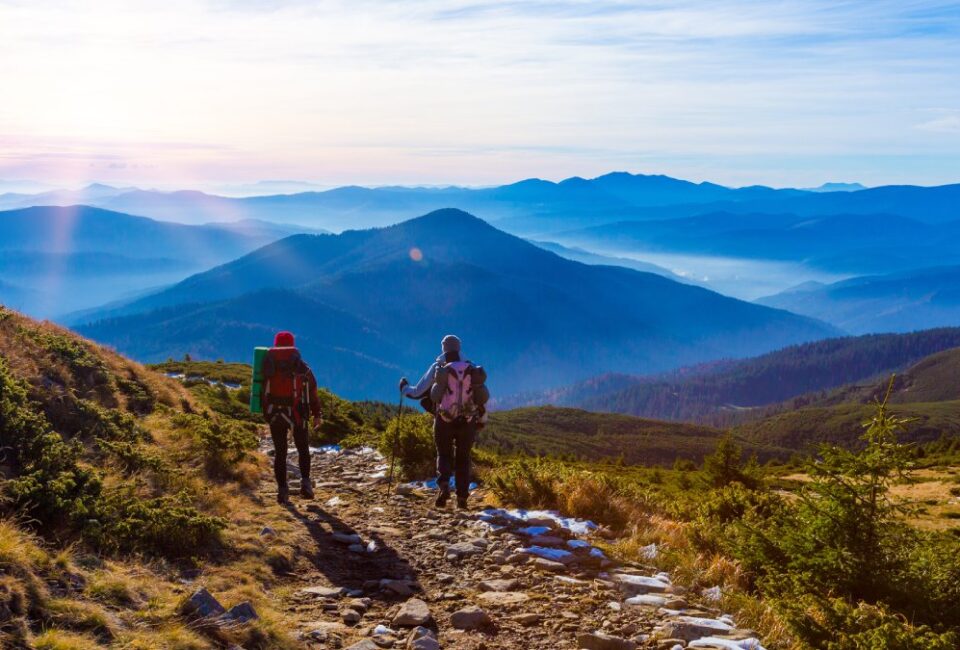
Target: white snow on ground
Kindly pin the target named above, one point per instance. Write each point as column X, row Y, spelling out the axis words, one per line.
column 555, row 554
column 575, row 526
column 641, row 581
column 325, row 449
column 710, row 623
column 730, row 644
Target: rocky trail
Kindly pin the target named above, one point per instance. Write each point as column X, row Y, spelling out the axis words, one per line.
column 393, row 571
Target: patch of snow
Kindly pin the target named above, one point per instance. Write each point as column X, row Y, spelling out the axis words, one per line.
column 641, row 581
column 382, row 629
column 533, row 531
column 326, row 449
column 334, row 502
column 649, row 600
column 555, row 554
column 575, row 526
column 710, row 623
column 431, row 484
column 727, row 644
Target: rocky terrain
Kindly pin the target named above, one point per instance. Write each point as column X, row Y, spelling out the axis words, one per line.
column 381, row 568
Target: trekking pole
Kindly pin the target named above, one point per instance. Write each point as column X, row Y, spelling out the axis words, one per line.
column 396, row 441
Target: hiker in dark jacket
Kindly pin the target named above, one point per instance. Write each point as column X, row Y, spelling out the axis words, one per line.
column 454, row 426
column 290, row 401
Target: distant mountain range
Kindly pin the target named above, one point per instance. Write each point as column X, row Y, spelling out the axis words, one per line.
column 852, row 243
column 370, row 305
column 70, row 258
column 898, row 302
column 731, row 391
column 529, row 207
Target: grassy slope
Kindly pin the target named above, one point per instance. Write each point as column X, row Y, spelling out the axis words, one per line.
column 928, row 393
column 147, row 449
column 593, row 436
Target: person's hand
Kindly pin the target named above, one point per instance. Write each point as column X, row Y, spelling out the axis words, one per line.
column 403, row 383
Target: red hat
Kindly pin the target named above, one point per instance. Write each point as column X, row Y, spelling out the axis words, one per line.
column 283, row 340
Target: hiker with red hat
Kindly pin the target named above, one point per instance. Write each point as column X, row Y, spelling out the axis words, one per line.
column 289, row 402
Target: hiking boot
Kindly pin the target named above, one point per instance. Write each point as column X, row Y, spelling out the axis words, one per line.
column 306, row 491
column 462, row 503
column 442, row 498
column 283, row 495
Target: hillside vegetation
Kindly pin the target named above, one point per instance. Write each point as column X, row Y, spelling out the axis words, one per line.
column 118, row 487
column 728, row 392
column 582, row 435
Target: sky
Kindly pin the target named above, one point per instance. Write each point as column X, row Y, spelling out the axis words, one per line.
column 197, row 94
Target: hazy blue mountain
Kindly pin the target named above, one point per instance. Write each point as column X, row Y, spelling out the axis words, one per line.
column 898, row 302
column 730, row 391
column 573, row 202
column 390, row 294
column 78, row 229
column 851, row 243
column 530, row 207
column 837, row 187
column 74, row 258
column 89, row 195
column 13, row 296
column 581, row 255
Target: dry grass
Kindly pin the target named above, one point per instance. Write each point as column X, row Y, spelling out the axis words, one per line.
column 61, row 640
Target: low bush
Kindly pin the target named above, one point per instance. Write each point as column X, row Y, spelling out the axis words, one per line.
column 412, row 445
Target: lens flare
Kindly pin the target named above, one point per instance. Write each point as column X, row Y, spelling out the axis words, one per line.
column 416, row 254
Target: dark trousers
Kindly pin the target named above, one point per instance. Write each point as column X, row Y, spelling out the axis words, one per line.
column 278, row 431
column 454, row 441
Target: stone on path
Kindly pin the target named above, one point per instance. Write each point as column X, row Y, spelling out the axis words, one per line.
column 323, row 592
column 398, row 587
column 508, row 584
column 412, row 613
column 600, row 641
column 422, row 638
column 691, row 628
column 549, row 565
column 366, row 644
column 503, row 598
column 470, row 617
column 528, row 619
column 463, row 549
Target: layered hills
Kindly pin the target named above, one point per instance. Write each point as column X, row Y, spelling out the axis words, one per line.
column 732, row 391
column 372, row 304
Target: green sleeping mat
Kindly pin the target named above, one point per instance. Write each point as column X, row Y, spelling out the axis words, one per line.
column 256, row 389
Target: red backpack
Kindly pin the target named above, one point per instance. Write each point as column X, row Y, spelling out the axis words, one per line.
column 286, row 390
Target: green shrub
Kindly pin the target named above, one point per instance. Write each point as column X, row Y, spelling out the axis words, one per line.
column 414, row 447
column 843, row 537
column 725, row 465
column 223, row 442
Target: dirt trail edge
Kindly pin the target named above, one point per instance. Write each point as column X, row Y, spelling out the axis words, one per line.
column 378, row 570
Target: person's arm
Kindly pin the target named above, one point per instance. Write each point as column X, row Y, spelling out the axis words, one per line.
column 422, row 389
